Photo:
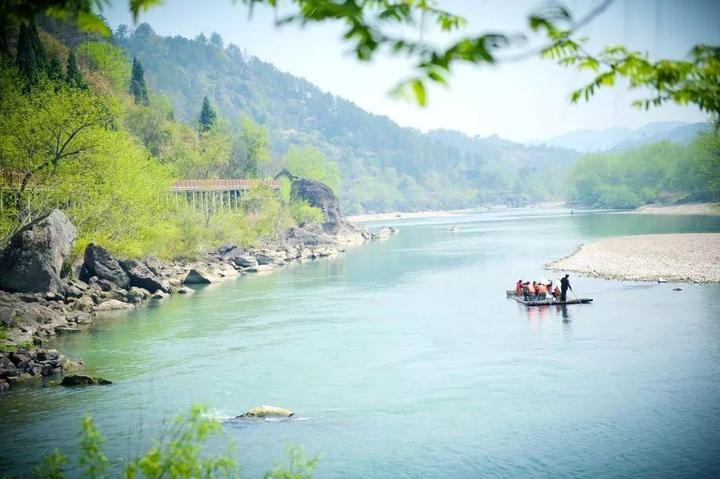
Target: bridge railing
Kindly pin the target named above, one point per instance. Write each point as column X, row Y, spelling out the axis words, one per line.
column 220, row 185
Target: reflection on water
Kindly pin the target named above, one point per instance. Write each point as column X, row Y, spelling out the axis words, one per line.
column 408, row 360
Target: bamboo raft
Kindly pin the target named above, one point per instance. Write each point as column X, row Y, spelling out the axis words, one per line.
column 546, row 302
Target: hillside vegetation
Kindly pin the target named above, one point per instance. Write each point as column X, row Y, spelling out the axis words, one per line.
column 383, row 166
column 82, row 131
column 658, row 173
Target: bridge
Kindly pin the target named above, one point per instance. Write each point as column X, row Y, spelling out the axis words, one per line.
column 203, row 195
column 207, row 195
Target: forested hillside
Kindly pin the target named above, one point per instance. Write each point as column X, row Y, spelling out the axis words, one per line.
column 659, row 173
column 383, row 166
column 81, row 130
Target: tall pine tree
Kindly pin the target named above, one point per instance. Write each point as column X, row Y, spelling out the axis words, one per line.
column 41, row 57
column 74, row 77
column 4, row 47
column 207, row 116
column 25, row 57
column 138, row 89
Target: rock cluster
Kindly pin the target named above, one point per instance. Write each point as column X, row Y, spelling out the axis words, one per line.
column 26, row 364
column 37, row 301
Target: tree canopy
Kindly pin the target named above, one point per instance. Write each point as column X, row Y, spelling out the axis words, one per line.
column 372, row 27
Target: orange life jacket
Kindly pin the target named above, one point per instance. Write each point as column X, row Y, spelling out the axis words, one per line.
column 542, row 289
column 531, row 288
column 518, row 288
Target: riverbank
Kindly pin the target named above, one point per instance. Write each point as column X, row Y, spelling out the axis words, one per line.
column 682, row 258
column 100, row 284
column 686, row 209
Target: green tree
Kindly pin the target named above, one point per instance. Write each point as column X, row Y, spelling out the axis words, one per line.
column 25, row 56
column 55, row 70
column 251, row 147
column 207, row 116
column 39, row 132
column 309, row 162
column 41, row 58
column 73, row 76
column 138, row 89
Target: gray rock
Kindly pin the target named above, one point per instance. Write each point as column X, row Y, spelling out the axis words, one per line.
column 84, row 303
column 33, row 259
column 113, row 305
column 185, row 290
column 261, row 268
column 386, row 232
column 136, row 295
column 264, row 259
column 316, row 194
column 99, row 262
column 141, row 276
column 153, row 264
column 159, row 295
column 201, row 276
column 72, row 291
column 245, row 261
column 80, row 380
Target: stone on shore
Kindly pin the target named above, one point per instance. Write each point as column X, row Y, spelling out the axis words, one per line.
column 81, row 380
column 142, row 277
column 99, row 262
column 113, row 305
column 185, row 290
column 34, row 257
column 201, row 276
column 386, row 232
column 267, row 411
column 261, row 268
column 245, row 261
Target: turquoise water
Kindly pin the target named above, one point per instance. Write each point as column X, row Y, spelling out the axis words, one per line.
column 403, row 358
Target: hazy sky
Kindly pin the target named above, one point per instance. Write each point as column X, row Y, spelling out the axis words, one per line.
column 520, row 101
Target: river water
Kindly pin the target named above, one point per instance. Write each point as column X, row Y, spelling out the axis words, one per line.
column 403, row 358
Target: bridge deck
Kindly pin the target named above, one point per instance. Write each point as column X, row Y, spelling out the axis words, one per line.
column 220, row 185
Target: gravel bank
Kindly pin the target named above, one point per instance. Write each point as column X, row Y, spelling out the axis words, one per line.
column 681, row 258
column 686, row 209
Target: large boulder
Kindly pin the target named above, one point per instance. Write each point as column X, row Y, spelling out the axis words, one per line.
column 267, row 411
column 80, row 380
column 316, row 194
column 142, row 277
column 99, row 262
column 33, row 259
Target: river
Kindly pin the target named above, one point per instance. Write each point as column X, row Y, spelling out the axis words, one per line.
column 403, row 358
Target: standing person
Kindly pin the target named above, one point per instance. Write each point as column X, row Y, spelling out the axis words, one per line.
column 533, row 290
column 564, row 286
column 518, row 287
column 526, row 290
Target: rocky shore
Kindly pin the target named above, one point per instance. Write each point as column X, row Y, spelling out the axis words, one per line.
column 681, row 258
column 42, row 294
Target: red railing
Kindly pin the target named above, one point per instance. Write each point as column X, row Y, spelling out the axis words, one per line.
column 220, row 185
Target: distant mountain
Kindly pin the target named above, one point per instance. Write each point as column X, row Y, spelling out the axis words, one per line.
column 681, row 134
column 384, row 167
column 586, row 141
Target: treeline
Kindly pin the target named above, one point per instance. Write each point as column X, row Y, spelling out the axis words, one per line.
column 658, row 173
column 383, row 166
column 81, row 130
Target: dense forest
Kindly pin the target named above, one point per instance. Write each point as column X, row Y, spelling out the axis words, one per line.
column 384, row 167
column 657, row 173
column 82, row 130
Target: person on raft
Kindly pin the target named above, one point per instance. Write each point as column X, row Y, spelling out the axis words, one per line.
column 542, row 291
column 564, row 286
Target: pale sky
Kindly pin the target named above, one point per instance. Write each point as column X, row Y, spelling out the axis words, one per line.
column 520, row 101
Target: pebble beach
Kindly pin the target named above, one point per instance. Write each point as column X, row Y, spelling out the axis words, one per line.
column 682, row 258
